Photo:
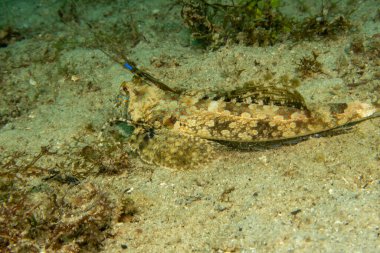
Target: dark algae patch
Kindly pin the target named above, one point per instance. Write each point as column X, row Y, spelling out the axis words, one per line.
column 261, row 22
column 47, row 206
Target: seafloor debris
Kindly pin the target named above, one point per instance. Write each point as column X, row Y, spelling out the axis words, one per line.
column 214, row 23
column 54, row 202
column 9, row 35
column 307, row 66
column 260, row 22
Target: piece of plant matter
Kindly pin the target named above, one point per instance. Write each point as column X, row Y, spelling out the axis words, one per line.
column 9, row 35
column 260, row 22
column 307, row 66
column 248, row 22
column 56, row 209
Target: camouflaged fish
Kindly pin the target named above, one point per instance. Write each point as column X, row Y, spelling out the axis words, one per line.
column 184, row 129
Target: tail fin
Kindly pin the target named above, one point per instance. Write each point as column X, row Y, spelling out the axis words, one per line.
column 353, row 112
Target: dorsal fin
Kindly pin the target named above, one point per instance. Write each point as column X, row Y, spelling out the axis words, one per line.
column 267, row 95
column 137, row 73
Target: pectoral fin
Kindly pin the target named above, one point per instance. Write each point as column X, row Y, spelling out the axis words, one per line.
column 173, row 150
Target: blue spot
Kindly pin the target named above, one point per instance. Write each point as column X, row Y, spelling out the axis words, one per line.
column 126, row 65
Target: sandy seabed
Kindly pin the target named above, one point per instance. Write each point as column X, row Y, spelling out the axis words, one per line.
column 58, row 89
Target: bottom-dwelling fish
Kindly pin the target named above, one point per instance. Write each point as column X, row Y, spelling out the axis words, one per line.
column 184, row 129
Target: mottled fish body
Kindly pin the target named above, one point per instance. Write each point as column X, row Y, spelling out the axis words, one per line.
column 176, row 130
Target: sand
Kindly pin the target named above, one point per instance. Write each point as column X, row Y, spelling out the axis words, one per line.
column 319, row 195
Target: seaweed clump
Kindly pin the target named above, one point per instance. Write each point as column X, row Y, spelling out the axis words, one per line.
column 9, row 35
column 249, row 22
column 46, row 208
column 308, row 66
column 259, row 22
column 325, row 24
